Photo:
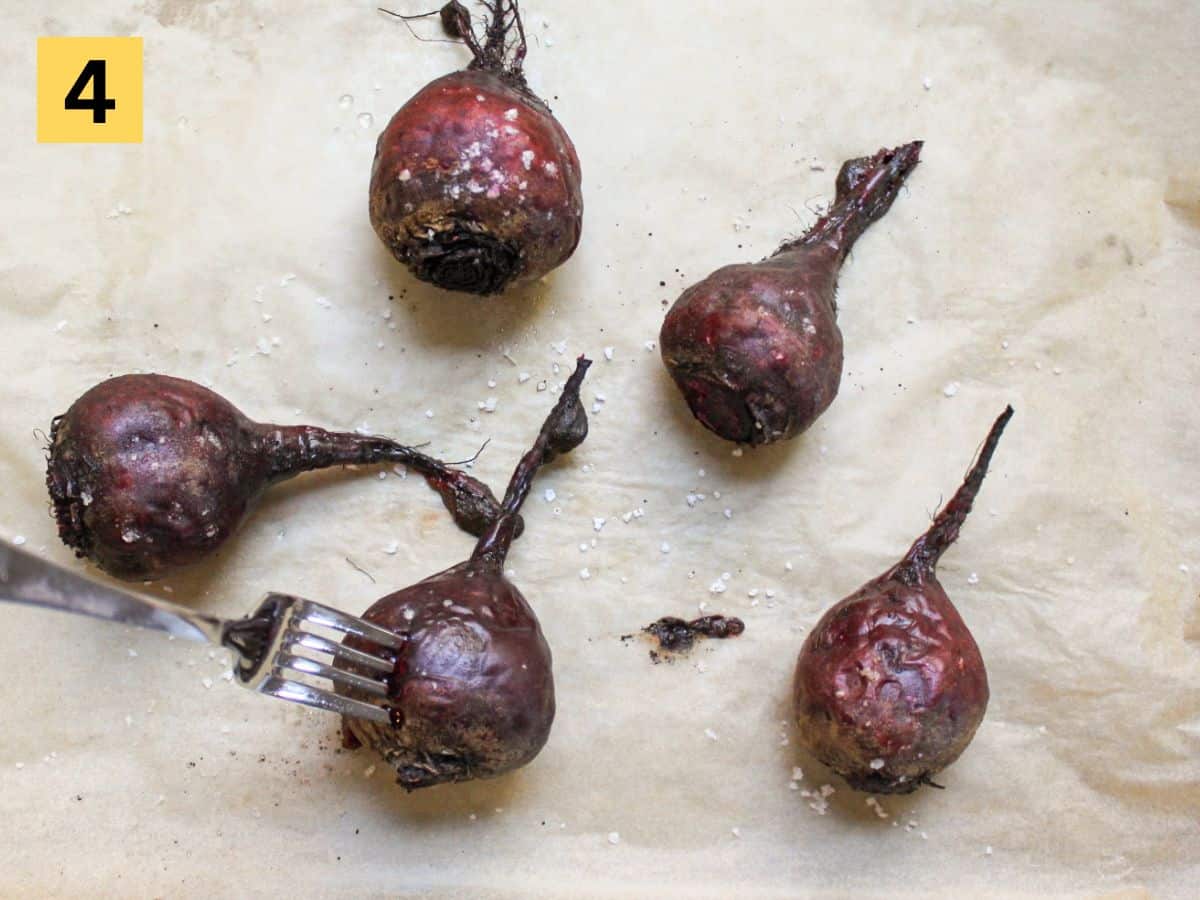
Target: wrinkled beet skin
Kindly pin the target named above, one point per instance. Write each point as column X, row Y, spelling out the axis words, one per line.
column 172, row 505
column 489, row 231
column 755, row 349
column 890, row 673
column 473, row 694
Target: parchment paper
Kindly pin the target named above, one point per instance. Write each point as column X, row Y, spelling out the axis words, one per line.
column 1046, row 254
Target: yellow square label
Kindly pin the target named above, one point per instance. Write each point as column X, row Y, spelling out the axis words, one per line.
column 89, row 90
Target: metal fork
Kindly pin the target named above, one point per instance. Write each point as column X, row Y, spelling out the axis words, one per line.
column 271, row 645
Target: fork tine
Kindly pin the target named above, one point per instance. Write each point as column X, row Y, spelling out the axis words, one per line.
column 332, row 618
column 339, row 651
column 308, row 666
column 298, row 692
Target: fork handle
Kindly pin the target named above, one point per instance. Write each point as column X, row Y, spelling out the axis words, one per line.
column 30, row 580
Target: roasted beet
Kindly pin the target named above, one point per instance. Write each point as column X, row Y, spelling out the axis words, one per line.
column 148, row 473
column 755, row 348
column 473, row 692
column 890, row 685
column 475, row 185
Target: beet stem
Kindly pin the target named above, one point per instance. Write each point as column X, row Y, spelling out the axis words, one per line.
column 866, row 189
column 493, row 546
column 493, row 54
column 925, row 552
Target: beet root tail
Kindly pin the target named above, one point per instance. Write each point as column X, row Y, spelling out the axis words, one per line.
column 929, row 547
column 866, row 188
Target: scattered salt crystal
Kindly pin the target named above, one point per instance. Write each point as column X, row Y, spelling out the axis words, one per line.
column 753, row 592
column 1070, row 560
column 598, row 523
column 973, row 578
column 728, row 513
column 736, row 451
column 736, row 832
column 132, row 652
column 392, row 549
column 702, row 605
column 711, row 735
column 429, row 413
column 20, row 765
column 651, row 345
column 523, row 377
column 608, row 353
column 488, row 405
column 665, row 547
column 927, row 83
column 988, row 850
column 583, row 547
column 510, row 115
column 60, row 326
column 207, row 682
column 788, row 566
column 527, row 159
column 541, row 386
column 701, row 667
column 1184, row 569
column 924, row 836
column 614, row 838
column 717, row 587
column 548, row 495
column 19, row 540
column 951, row 389
column 585, row 574
column 911, row 320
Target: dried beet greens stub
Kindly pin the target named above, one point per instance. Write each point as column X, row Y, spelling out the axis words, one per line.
column 755, row 349
column 149, row 473
column 676, row 635
column 890, row 685
column 472, row 693
column 475, row 185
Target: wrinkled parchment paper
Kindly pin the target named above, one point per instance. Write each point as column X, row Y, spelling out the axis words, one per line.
column 1046, row 254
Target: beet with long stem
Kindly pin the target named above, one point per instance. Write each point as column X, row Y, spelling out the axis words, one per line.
column 890, row 685
column 755, row 348
column 148, row 473
column 472, row 694
column 475, row 185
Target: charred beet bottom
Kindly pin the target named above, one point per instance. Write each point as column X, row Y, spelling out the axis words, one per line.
column 148, row 473
column 755, row 348
column 472, row 693
column 890, row 685
column 475, row 184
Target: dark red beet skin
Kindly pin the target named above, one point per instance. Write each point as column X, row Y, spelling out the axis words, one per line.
column 472, row 694
column 148, row 473
column 755, row 348
column 890, row 685
column 475, row 185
